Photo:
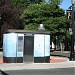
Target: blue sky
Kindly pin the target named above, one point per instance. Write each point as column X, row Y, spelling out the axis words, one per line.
column 65, row 4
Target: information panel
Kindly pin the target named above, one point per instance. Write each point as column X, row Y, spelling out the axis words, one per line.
column 47, row 45
column 38, row 45
column 9, row 44
column 41, row 45
column 20, row 45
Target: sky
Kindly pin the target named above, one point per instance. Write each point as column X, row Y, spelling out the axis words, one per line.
column 65, row 4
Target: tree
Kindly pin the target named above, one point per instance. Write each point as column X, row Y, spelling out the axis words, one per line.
column 9, row 15
column 57, row 2
column 37, row 1
column 41, row 13
column 22, row 4
column 51, row 15
column 10, row 18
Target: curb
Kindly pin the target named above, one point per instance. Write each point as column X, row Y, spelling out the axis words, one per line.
column 57, row 59
column 28, row 66
column 23, row 66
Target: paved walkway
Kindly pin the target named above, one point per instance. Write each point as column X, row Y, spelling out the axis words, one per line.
column 28, row 66
column 55, row 62
column 57, row 59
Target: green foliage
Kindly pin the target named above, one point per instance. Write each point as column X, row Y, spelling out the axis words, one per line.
column 21, row 3
column 37, row 12
column 57, row 2
column 50, row 15
column 24, row 3
column 37, row 1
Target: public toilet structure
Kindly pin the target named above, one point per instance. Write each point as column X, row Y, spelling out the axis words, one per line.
column 21, row 46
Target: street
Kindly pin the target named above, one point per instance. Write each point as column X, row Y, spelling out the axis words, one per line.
column 63, row 71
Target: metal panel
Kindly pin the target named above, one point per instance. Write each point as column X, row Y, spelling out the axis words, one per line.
column 41, row 48
column 28, row 48
column 20, row 44
column 47, row 45
column 39, row 45
column 9, row 45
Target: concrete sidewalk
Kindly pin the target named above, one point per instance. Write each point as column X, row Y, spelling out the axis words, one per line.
column 55, row 62
column 28, row 66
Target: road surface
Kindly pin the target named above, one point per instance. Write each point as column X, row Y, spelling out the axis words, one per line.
column 63, row 71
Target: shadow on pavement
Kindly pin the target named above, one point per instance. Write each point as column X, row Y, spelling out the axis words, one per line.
column 3, row 73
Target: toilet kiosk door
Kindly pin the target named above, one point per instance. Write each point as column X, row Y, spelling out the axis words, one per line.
column 28, row 48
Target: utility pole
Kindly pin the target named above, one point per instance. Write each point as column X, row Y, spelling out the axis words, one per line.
column 72, row 35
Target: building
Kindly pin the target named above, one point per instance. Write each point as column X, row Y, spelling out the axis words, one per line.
column 21, row 46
